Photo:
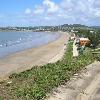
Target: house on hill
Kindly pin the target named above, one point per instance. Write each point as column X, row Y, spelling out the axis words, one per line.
column 84, row 41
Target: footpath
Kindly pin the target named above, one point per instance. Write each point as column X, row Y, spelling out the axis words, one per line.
column 83, row 86
column 75, row 52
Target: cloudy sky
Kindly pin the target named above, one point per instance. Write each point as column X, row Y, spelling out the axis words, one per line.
column 49, row 12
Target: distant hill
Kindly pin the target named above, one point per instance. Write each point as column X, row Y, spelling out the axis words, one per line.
column 73, row 25
column 97, row 27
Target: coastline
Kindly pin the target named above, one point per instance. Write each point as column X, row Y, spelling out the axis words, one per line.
column 26, row 59
column 22, row 43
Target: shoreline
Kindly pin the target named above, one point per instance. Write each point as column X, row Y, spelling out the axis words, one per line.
column 27, row 31
column 22, row 45
column 26, row 59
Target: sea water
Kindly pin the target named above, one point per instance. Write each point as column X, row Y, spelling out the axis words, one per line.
column 11, row 42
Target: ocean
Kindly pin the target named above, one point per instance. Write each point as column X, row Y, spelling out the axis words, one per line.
column 12, row 42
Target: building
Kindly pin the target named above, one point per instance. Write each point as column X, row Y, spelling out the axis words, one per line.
column 84, row 41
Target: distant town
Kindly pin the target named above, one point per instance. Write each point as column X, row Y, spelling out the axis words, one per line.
column 65, row 27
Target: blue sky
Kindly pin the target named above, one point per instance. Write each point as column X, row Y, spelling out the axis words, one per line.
column 49, row 12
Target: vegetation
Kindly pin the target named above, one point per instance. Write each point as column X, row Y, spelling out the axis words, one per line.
column 96, row 54
column 34, row 84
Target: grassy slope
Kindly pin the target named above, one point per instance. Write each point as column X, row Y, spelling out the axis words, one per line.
column 34, row 84
column 97, row 54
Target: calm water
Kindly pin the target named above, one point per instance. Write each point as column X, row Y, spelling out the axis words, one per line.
column 11, row 42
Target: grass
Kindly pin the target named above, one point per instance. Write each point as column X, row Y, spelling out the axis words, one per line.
column 96, row 54
column 34, row 84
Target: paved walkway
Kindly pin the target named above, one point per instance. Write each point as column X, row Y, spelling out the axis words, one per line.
column 92, row 92
column 96, row 94
column 75, row 52
column 83, row 86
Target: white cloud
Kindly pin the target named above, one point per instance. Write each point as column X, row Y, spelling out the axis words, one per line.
column 97, row 3
column 51, row 6
column 66, row 11
column 28, row 11
column 38, row 10
column 97, row 14
column 83, row 6
column 47, row 18
column 67, row 4
column 64, row 16
column 71, row 11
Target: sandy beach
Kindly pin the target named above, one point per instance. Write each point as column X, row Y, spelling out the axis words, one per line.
column 26, row 59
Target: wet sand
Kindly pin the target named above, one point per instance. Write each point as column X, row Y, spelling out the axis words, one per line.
column 26, row 59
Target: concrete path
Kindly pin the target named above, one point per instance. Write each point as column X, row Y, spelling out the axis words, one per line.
column 92, row 92
column 96, row 93
column 75, row 51
column 83, row 86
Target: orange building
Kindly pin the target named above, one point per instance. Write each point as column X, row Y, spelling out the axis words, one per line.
column 84, row 41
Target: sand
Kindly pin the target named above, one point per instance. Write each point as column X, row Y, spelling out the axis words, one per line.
column 26, row 59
